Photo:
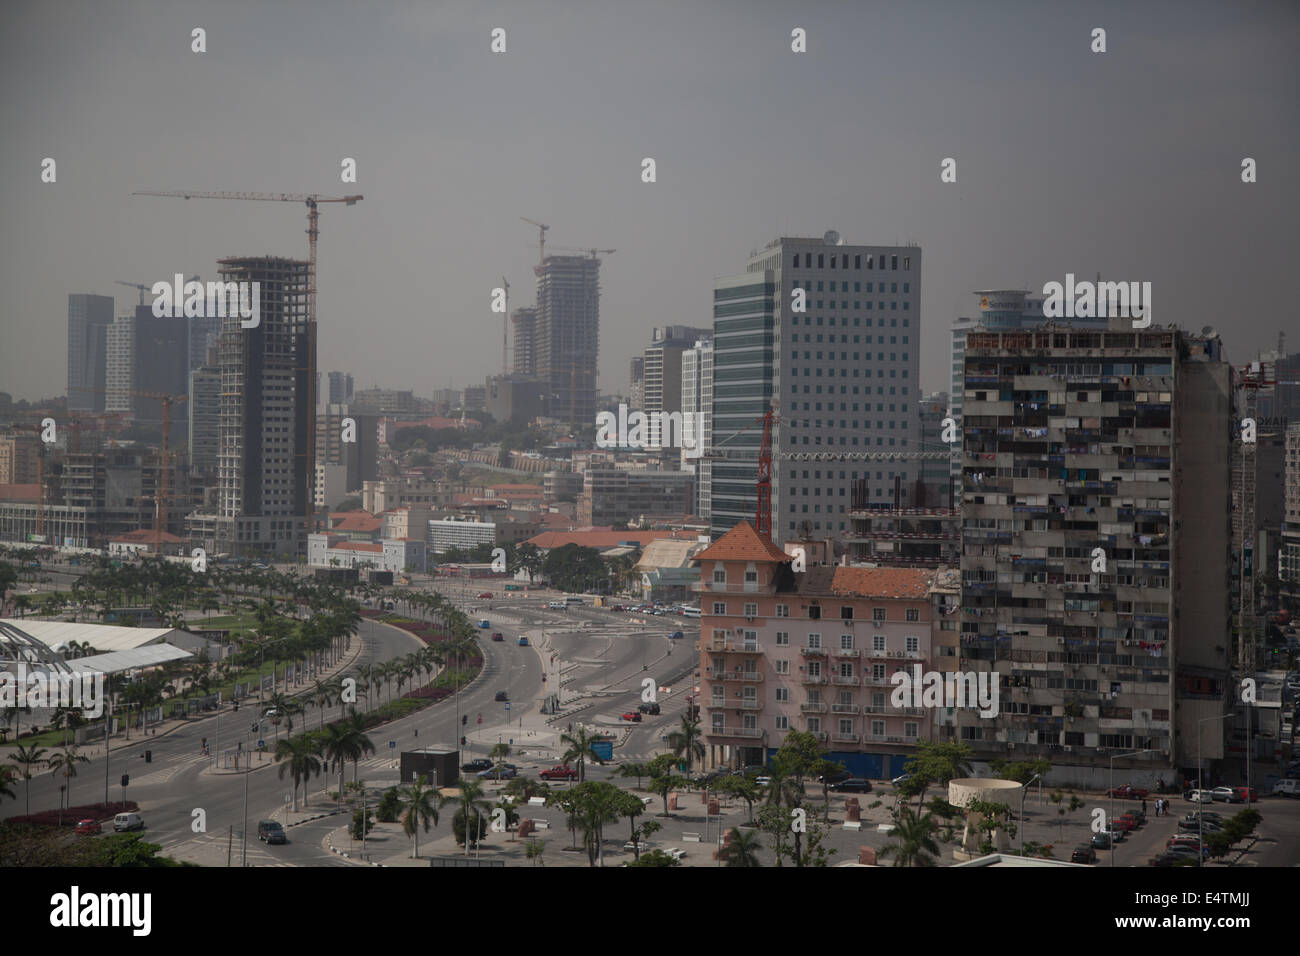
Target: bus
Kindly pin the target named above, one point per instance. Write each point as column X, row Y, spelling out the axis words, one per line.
column 690, row 612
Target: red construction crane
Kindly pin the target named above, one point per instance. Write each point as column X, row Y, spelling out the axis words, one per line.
column 313, row 201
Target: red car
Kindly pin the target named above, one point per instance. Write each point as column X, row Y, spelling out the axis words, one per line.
column 486, row 594
column 561, row 772
column 88, row 827
column 1246, row 794
column 1128, row 793
column 498, row 636
column 1124, row 823
column 633, row 716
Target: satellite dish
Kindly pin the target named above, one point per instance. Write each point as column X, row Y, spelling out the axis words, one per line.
column 1209, row 332
column 832, row 238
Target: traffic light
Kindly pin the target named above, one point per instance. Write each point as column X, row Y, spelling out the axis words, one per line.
column 462, row 741
column 125, row 779
column 464, row 719
column 148, row 756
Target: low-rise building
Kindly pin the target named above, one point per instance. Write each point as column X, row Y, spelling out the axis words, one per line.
column 337, row 551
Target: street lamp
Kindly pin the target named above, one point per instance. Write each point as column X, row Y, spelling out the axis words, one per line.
column 1110, row 817
column 1200, row 791
column 1024, row 792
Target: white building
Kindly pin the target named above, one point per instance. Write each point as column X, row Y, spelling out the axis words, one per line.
column 447, row 533
column 697, row 407
column 336, row 551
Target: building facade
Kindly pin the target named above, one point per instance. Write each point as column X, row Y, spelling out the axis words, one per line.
column 89, row 317
column 568, row 336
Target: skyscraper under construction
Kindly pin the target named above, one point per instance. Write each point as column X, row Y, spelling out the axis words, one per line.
column 567, row 336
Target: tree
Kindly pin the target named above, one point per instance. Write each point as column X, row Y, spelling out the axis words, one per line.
column 64, row 763
column 420, row 805
column 299, row 756
column 914, row 840
column 637, row 770
column 27, row 758
column 742, row 850
column 936, row 763
column 655, row 858
column 687, row 741
column 468, row 822
column 580, row 750
column 595, row 803
column 529, row 558
column 534, row 849
column 663, row 777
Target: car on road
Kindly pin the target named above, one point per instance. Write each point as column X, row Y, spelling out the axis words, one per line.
column 1107, row 839
column 1246, row 794
column 560, row 772
column 1189, row 851
column 523, row 641
column 498, row 636
column 1127, row 792
column 900, row 779
column 651, row 709
column 508, row 772
column 125, row 822
column 1083, row 854
column 852, row 785
column 676, row 635
column 477, row 765
column 1199, row 796
column 271, row 832
column 502, row 696
column 484, row 625
column 89, row 827
column 1286, row 788
column 1225, row 795
column 835, row 776
column 633, row 715
column 1171, row 859
column 486, row 594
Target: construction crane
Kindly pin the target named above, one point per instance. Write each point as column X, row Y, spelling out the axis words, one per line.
column 541, row 239
column 162, row 498
column 587, row 249
column 313, row 201
column 505, row 328
column 145, row 288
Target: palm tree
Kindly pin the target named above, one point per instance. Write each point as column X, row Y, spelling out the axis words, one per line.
column 326, row 693
column 421, row 804
column 743, row 848
column 637, row 770
column 472, row 802
column 299, row 754
column 27, row 758
column 916, row 845
column 358, row 743
column 580, row 751
column 65, row 763
column 8, row 774
column 686, row 740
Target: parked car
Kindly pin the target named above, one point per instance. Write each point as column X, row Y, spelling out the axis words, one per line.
column 1246, row 794
column 271, row 832
column 634, row 716
column 901, row 779
column 523, row 641
column 1183, row 839
column 477, row 765
column 1083, row 854
column 1189, row 851
column 1127, row 792
column 1135, row 819
column 502, row 695
column 651, row 709
column 1286, row 788
column 1107, row 839
column 836, row 776
column 486, row 594
column 507, row 772
column 125, row 822
column 1171, row 859
column 498, row 636
column 1124, row 823
column 676, row 635
column 89, row 827
column 852, row 785
column 1225, row 794
column 1204, row 826
column 560, row 772
column 1199, row 796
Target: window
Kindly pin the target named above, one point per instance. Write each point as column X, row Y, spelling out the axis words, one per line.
column 814, row 610
column 912, row 613
column 877, row 728
column 878, row 614
column 814, row 642
column 719, row 608
column 913, row 643
column 783, row 695
column 911, row 730
column 878, row 643
column 751, row 610
column 814, row 725
column 846, row 642
column 846, row 612
column 783, row 638
column 846, row 725
column 751, row 577
column 783, row 723
column 814, row 668
column 781, row 667
column 783, row 610
column 719, row 575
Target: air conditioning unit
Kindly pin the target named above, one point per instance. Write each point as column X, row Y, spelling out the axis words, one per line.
column 1068, row 748
column 1060, row 641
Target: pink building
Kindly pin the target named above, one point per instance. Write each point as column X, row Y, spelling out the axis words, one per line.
column 810, row 651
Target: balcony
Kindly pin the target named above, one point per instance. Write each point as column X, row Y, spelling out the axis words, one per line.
column 845, row 708
column 846, row 652
column 846, row 738
column 821, row 735
column 812, row 708
column 813, row 651
column 736, row 675
column 748, row 703
column 734, row 646
column 913, row 655
column 877, row 682
column 753, row 732
column 813, row 679
column 716, row 588
column 850, row 681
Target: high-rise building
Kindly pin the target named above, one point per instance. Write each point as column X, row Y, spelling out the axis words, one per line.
column 662, row 375
column 1096, row 542
column 19, row 458
column 89, row 317
column 934, row 477
column 264, row 483
column 1288, row 561
column 205, row 415
column 843, row 370
column 360, row 456
column 119, row 364
column 525, row 323
column 636, row 382
column 204, row 331
column 697, row 417
column 161, row 367
column 568, row 336
column 340, row 388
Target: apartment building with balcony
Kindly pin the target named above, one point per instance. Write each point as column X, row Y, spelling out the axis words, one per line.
column 811, row 651
column 1081, row 445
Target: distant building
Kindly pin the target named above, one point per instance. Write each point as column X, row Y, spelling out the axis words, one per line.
column 611, row 495
column 340, row 388
column 445, row 534
column 89, row 317
column 525, row 327
column 568, row 336
column 336, row 551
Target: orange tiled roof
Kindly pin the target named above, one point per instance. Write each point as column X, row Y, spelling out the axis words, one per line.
column 145, row 536
column 355, row 521
column 743, row 543
column 359, row 546
column 23, row 492
column 882, row 582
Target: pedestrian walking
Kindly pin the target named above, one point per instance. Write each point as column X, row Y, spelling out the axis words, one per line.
column 1144, row 806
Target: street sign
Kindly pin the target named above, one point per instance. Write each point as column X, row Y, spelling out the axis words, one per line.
column 507, row 705
column 261, row 745
column 392, row 744
column 480, row 718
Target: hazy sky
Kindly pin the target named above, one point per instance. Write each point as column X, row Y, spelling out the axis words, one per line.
column 1125, row 162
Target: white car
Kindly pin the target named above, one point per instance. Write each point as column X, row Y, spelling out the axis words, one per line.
column 1200, row 796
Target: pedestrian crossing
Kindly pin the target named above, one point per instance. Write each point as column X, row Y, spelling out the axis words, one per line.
column 219, row 849
column 165, row 775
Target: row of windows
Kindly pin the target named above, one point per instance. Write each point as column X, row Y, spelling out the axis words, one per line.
column 848, row 423
column 873, row 262
column 844, row 373
column 844, row 356
column 814, row 611
column 880, row 390
column 844, row 321
column 880, row 339
column 857, row 287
